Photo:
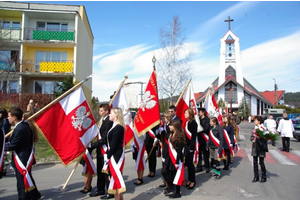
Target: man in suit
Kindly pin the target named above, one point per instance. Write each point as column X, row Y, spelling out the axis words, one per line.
column 202, row 139
column 172, row 111
column 102, row 178
column 21, row 143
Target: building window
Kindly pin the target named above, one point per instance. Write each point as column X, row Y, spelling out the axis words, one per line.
column 230, row 71
column 9, row 86
column 42, row 56
column 52, row 26
column 44, row 87
column 10, row 25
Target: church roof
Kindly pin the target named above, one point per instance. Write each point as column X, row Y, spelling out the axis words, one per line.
column 270, row 96
column 250, row 89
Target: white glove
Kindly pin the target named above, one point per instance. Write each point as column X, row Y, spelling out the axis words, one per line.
column 191, row 151
column 231, row 145
column 105, row 158
column 160, row 129
column 155, row 140
column 176, row 166
column 132, row 147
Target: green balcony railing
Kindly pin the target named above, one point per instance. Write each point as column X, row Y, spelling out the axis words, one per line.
column 34, row 34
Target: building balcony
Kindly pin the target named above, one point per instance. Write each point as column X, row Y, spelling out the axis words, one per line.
column 48, row 67
column 10, row 34
column 34, row 34
column 9, row 66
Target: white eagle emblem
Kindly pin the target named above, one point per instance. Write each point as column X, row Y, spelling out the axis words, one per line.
column 147, row 101
column 81, row 120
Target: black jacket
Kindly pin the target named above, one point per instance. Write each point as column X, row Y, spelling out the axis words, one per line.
column 115, row 142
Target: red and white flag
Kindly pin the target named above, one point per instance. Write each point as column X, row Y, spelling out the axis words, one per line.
column 120, row 101
column 148, row 115
column 68, row 125
column 212, row 109
column 188, row 100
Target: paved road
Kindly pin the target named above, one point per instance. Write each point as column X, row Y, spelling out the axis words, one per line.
column 282, row 183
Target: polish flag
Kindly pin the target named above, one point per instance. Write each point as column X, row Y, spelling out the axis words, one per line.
column 187, row 101
column 120, row 101
column 68, row 125
column 212, row 109
column 148, row 115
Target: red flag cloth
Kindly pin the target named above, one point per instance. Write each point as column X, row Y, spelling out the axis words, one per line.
column 188, row 100
column 120, row 101
column 212, row 109
column 68, row 126
column 148, row 115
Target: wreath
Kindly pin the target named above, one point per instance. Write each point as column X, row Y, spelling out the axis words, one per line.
column 264, row 133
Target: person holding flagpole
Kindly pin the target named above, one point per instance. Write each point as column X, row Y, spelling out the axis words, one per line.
column 151, row 142
column 174, row 166
column 116, row 153
column 101, row 146
column 21, row 145
column 190, row 128
column 215, row 146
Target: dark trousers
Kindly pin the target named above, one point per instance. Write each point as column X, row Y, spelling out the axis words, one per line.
column 286, row 143
column 102, row 178
column 152, row 158
column 228, row 158
column 32, row 195
column 262, row 166
column 190, row 164
column 205, row 153
column 169, row 176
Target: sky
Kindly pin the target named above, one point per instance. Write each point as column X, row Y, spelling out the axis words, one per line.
column 126, row 36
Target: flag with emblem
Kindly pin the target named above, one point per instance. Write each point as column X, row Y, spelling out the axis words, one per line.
column 68, row 126
column 148, row 115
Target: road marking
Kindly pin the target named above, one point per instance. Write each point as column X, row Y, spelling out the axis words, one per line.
column 248, row 151
column 281, row 158
column 242, row 137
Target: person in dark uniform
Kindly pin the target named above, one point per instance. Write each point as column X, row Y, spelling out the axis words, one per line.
column 21, row 143
column 202, row 139
column 102, row 178
column 150, row 141
column 172, row 111
column 176, row 142
column 190, row 128
column 164, row 133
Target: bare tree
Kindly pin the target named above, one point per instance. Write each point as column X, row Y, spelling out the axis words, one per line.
column 173, row 66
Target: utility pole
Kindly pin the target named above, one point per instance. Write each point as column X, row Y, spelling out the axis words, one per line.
column 275, row 92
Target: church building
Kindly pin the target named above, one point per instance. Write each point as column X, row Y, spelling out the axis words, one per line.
column 231, row 86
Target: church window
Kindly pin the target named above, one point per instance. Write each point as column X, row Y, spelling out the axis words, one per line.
column 231, row 93
column 230, row 71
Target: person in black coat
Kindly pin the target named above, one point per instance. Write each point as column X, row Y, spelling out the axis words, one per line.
column 163, row 135
column 230, row 131
column 102, row 178
column 177, row 140
column 172, row 111
column 190, row 128
column 150, row 141
column 21, row 142
column 202, row 137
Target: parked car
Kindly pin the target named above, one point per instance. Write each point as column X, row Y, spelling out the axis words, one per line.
column 296, row 132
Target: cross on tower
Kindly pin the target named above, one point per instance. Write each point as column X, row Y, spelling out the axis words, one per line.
column 229, row 20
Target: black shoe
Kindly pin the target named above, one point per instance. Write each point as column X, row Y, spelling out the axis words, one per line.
column 225, row 168
column 217, row 177
column 169, row 191
column 175, row 195
column 263, row 179
column 139, row 182
column 108, row 196
column 162, row 185
column 97, row 193
column 207, row 170
column 85, row 190
column 191, row 187
column 255, row 179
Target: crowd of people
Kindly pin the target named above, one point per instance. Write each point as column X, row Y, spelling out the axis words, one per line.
column 179, row 143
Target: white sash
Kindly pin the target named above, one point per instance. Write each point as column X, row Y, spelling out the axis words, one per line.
column 179, row 177
column 89, row 164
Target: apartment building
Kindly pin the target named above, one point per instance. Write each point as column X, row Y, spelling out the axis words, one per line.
column 40, row 43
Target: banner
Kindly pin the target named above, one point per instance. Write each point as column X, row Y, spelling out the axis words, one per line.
column 148, row 115
column 68, row 126
column 211, row 107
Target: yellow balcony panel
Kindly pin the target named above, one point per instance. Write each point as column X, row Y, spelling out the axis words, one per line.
column 56, row 67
